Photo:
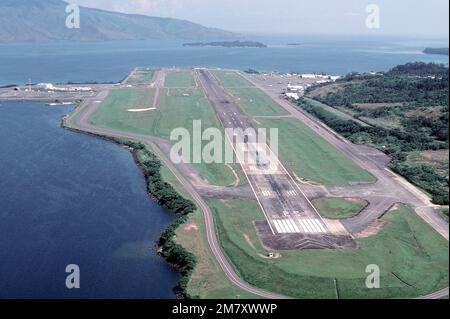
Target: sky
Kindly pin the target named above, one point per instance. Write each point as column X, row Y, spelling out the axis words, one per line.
column 396, row 17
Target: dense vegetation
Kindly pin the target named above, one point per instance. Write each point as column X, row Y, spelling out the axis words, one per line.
column 167, row 196
column 416, row 84
column 416, row 95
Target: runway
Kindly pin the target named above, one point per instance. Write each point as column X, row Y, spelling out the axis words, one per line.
column 286, row 208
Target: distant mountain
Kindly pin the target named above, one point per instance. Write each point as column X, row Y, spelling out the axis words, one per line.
column 45, row 20
column 440, row 51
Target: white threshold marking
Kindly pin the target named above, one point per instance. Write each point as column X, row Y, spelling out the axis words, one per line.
column 267, row 193
column 297, row 230
column 304, row 226
column 280, row 228
column 313, row 226
column 286, row 226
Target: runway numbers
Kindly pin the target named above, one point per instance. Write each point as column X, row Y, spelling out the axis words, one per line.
column 308, row 226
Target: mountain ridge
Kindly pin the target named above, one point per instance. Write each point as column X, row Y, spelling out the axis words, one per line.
column 44, row 20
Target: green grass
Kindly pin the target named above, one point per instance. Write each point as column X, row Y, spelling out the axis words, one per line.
column 208, row 281
column 175, row 110
column 339, row 114
column 113, row 113
column 406, row 248
column 231, row 79
column 255, row 102
column 141, row 76
column 179, row 79
column 311, row 157
column 338, row 208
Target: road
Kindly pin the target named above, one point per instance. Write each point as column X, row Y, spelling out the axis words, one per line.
column 79, row 120
column 292, row 221
column 388, row 189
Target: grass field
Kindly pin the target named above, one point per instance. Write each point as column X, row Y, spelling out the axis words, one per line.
column 338, row 208
column 142, row 76
column 113, row 113
column 208, row 280
column 175, row 110
column 230, row 79
column 339, row 114
column 254, row 102
column 311, row 157
column 413, row 259
column 179, row 79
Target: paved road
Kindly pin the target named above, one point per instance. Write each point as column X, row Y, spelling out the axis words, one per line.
column 285, row 206
column 436, row 295
column 79, row 120
column 387, row 190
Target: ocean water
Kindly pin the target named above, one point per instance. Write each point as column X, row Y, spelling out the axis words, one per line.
column 68, row 198
column 111, row 61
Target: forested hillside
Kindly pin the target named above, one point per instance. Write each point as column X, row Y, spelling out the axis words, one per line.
column 407, row 113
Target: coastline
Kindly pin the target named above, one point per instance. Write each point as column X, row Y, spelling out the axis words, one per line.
column 173, row 253
column 168, row 247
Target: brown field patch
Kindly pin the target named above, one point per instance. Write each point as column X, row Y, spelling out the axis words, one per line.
column 430, row 112
column 332, row 88
column 375, row 106
column 440, row 156
column 190, row 227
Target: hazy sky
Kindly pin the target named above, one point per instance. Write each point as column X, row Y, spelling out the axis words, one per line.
column 404, row 17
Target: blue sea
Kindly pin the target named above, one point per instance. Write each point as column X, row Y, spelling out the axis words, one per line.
column 68, row 198
column 111, row 61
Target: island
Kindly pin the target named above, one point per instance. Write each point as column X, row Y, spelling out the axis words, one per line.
column 228, row 44
column 440, row 51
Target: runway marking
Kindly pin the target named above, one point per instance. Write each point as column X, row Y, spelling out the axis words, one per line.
column 304, row 226
column 280, row 228
column 291, row 225
column 286, row 226
column 267, row 193
column 291, row 193
column 313, row 226
column 319, row 225
column 297, row 230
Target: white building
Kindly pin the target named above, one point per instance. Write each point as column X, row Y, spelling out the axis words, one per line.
column 293, row 96
column 295, row 88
